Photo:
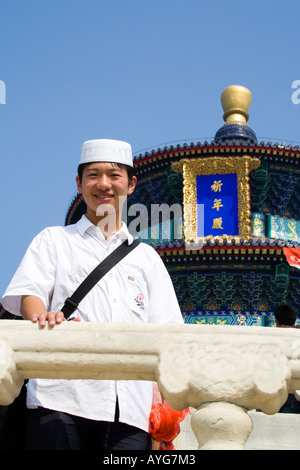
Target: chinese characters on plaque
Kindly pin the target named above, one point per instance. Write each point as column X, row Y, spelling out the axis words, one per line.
column 217, row 205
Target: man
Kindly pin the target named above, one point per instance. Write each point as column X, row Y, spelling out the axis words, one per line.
column 286, row 317
column 88, row 414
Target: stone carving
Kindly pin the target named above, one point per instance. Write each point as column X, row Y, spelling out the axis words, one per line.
column 250, row 375
column 221, row 426
column 10, row 380
column 221, row 371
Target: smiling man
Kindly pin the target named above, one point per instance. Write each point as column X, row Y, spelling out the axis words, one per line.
column 105, row 185
column 92, row 414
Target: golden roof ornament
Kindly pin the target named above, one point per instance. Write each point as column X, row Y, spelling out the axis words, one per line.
column 236, row 100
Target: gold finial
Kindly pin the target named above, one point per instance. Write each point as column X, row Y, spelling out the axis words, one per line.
column 236, row 100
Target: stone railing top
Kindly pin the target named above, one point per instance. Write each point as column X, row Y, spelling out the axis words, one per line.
column 251, row 367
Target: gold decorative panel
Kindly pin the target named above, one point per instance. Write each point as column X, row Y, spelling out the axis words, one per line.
column 191, row 168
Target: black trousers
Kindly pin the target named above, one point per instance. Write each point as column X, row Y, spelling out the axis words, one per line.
column 54, row 430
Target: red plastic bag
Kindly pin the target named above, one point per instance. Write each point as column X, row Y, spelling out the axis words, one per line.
column 164, row 422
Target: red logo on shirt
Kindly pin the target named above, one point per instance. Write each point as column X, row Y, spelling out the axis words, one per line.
column 140, row 301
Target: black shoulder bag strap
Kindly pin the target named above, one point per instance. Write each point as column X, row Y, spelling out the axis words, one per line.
column 91, row 280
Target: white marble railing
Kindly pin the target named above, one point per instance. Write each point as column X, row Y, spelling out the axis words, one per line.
column 220, row 371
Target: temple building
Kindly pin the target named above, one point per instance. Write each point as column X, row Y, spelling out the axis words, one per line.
column 231, row 241
column 239, row 271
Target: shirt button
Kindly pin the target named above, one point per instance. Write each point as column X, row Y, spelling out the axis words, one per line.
column 114, row 300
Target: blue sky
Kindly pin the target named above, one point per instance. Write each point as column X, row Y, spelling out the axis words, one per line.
column 148, row 72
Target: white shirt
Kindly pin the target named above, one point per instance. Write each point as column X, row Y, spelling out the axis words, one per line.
column 138, row 289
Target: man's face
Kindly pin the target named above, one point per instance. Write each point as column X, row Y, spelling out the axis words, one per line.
column 104, row 186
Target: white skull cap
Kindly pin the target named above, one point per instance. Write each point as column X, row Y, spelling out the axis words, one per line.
column 106, row 150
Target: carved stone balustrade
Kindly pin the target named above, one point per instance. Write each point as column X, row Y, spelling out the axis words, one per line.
column 221, row 371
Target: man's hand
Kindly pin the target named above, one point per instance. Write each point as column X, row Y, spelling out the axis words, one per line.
column 51, row 317
column 32, row 308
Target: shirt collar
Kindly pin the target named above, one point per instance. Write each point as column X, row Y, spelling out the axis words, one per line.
column 84, row 224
